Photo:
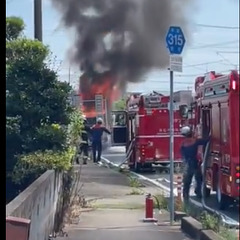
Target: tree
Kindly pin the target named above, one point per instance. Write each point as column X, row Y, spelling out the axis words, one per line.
column 119, row 105
column 14, row 28
column 37, row 108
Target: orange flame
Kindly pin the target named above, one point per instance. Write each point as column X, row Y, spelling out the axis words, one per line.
column 105, row 85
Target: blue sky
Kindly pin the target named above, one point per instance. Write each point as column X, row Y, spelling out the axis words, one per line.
column 210, row 48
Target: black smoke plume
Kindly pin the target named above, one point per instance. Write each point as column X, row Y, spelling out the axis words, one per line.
column 136, row 31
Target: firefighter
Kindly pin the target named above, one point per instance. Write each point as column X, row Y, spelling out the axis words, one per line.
column 96, row 133
column 84, row 142
column 189, row 150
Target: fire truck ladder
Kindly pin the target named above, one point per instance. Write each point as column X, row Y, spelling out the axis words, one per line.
column 128, row 154
column 227, row 221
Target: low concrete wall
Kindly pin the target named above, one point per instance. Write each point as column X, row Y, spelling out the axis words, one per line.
column 39, row 203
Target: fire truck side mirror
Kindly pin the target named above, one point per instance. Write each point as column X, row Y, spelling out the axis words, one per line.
column 183, row 110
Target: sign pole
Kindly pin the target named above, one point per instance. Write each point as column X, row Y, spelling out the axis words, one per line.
column 171, row 149
column 175, row 42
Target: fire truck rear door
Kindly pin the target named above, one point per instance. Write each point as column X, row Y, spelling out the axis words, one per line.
column 119, row 128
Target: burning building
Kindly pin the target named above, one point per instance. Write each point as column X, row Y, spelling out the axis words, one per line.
column 97, row 92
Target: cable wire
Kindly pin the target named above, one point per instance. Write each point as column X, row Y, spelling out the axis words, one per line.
column 215, row 44
column 218, row 27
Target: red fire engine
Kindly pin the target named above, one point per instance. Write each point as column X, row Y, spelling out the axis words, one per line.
column 144, row 128
column 216, row 111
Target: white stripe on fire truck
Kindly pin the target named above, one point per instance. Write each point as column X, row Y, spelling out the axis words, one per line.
column 157, row 136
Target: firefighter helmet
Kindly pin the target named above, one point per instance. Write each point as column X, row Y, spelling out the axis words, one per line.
column 186, row 131
column 99, row 121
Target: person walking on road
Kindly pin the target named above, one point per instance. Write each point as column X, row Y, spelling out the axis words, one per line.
column 96, row 133
column 189, row 149
column 84, row 142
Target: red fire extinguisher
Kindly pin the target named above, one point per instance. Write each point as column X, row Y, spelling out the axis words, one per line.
column 149, row 205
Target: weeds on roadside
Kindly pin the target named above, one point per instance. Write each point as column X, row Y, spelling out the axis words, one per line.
column 160, row 202
column 227, row 234
column 134, row 183
column 136, row 191
column 210, row 221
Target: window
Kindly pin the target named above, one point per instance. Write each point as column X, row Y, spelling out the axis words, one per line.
column 119, row 119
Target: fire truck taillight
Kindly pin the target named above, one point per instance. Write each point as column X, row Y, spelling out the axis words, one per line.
column 157, row 154
column 234, row 85
column 233, row 82
column 142, row 151
column 154, row 111
column 237, row 174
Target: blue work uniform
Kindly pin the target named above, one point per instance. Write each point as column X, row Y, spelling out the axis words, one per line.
column 189, row 150
column 96, row 133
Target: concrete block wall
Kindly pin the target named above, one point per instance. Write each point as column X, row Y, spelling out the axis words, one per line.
column 38, row 203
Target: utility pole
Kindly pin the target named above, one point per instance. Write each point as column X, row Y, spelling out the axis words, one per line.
column 69, row 75
column 38, row 20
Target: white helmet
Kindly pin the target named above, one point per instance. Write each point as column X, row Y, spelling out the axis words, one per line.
column 186, row 130
column 99, row 120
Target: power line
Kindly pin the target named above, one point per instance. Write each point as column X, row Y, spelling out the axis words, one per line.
column 220, row 55
column 199, row 74
column 201, row 64
column 191, row 75
column 217, row 26
column 230, row 47
column 215, row 44
column 179, row 83
column 228, row 52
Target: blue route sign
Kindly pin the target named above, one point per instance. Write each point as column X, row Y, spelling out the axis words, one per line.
column 175, row 40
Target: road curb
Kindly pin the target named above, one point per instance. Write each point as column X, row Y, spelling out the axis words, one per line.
column 209, row 235
column 191, row 227
column 195, row 230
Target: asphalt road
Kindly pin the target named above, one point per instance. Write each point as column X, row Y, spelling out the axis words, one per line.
column 116, row 155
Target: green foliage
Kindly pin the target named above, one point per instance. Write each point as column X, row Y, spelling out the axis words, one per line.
column 75, row 127
column 50, row 137
column 26, row 51
column 229, row 234
column 209, row 221
column 14, row 28
column 37, row 162
column 13, row 140
column 119, row 105
column 35, row 94
column 134, row 182
column 136, row 191
column 13, row 126
column 37, row 108
column 160, row 201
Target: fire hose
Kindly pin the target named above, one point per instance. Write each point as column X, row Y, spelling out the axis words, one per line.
column 128, row 154
column 224, row 219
